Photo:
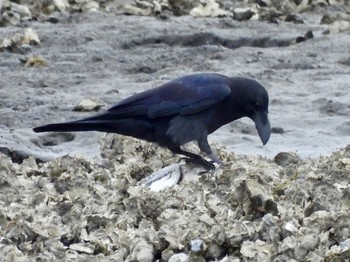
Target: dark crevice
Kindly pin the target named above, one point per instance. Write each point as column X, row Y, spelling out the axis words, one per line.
column 17, row 156
column 53, row 139
column 200, row 39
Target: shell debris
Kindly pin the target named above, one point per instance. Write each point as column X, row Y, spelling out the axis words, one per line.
column 20, row 42
column 70, row 208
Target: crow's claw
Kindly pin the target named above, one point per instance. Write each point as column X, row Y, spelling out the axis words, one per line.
column 208, row 165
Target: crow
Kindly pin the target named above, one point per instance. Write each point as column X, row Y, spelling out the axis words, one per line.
column 186, row 109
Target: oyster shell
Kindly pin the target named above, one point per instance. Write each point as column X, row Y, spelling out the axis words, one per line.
column 74, row 209
column 165, row 177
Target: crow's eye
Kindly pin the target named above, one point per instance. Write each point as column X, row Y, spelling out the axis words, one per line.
column 251, row 110
column 258, row 106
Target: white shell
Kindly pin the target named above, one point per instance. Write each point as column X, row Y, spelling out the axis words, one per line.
column 82, row 247
column 164, row 178
column 180, row 257
column 291, row 227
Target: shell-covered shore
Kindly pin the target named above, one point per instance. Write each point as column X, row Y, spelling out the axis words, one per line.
column 288, row 207
column 251, row 209
column 335, row 12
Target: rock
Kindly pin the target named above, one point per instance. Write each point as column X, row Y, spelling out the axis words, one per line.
column 208, row 8
column 34, row 61
column 285, row 158
column 87, row 105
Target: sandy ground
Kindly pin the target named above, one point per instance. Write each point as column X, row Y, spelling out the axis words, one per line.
column 106, row 57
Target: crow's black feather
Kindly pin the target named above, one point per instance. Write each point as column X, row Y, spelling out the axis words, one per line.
column 183, row 110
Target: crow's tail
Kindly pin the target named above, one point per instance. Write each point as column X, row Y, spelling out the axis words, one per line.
column 74, row 127
column 138, row 128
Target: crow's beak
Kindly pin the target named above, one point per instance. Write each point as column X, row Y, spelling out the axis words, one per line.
column 262, row 124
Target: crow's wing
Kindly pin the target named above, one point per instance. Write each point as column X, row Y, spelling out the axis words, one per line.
column 184, row 96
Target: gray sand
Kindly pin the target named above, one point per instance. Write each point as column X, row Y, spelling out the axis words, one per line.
column 106, row 57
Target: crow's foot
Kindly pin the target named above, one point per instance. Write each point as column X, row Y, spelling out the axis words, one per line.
column 208, row 165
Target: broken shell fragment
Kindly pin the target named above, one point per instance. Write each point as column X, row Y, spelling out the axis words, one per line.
column 87, row 105
column 164, row 178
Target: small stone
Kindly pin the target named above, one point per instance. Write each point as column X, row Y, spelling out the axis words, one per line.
column 285, row 158
column 35, row 61
column 87, row 105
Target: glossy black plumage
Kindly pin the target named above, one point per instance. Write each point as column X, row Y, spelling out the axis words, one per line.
column 183, row 110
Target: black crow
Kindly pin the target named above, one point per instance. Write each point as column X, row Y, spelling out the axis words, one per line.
column 186, row 109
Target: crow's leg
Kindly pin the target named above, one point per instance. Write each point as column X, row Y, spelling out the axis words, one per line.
column 192, row 158
column 215, row 159
column 197, row 159
column 204, row 147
